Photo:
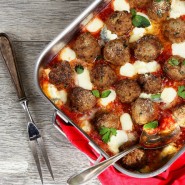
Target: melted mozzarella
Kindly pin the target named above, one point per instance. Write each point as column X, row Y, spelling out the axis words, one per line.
column 128, row 70
column 83, row 80
column 56, row 95
column 177, row 9
column 109, row 99
column 95, row 25
column 168, row 150
column 168, row 95
column 107, row 35
column 145, row 96
column 126, row 122
column 179, row 49
column 137, row 33
column 67, row 54
column 47, row 71
column 120, row 5
column 86, row 126
column 118, row 140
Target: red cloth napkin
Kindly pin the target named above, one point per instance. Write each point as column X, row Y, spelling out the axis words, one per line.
column 175, row 175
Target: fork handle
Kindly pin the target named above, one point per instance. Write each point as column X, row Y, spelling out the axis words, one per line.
column 10, row 61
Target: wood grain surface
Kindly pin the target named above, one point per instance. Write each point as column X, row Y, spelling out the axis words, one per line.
column 31, row 24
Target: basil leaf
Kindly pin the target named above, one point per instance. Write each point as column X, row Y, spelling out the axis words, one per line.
column 133, row 12
column 155, row 96
column 181, row 91
column 173, row 62
column 96, row 93
column 140, row 21
column 105, row 94
column 151, row 125
column 79, row 69
column 107, row 133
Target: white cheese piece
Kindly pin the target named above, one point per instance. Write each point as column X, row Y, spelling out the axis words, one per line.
column 145, row 96
column 107, row 35
column 86, row 126
column 168, row 95
column 126, row 122
column 111, row 36
column 168, row 150
column 57, row 95
column 137, row 33
column 120, row 5
column 83, row 80
column 95, row 25
column 128, row 70
column 177, row 9
column 67, row 54
column 118, row 140
column 109, row 99
column 179, row 49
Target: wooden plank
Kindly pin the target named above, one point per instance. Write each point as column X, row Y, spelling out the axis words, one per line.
column 17, row 166
column 33, row 20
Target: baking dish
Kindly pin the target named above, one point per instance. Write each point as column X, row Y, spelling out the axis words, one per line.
column 50, row 52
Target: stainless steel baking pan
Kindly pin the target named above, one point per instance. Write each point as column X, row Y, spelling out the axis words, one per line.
column 52, row 49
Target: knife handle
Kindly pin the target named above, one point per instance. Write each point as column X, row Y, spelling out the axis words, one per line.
column 10, row 61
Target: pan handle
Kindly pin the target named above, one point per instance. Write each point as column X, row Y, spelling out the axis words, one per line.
column 10, row 61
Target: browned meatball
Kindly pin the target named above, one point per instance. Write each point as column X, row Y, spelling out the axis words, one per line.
column 119, row 23
column 106, row 119
column 144, row 111
column 148, row 48
column 135, row 159
column 173, row 29
column 174, row 67
column 159, row 10
column 61, row 74
column 179, row 115
column 127, row 90
column 139, row 3
column 87, row 47
column 81, row 99
column 117, row 52
column 102, row 76
column 150, row 83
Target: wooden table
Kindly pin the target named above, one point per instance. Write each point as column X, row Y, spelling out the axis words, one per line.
column 31, row 24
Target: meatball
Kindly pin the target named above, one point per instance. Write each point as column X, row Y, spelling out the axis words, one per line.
column 159, row 10
column 119, row 23
column 106, row 119
column 135, row 159
column 179, row 115
column 127, row 90
column 148, row 48
column 173, row 29
column 117, row 52
column 61, row 74
column 144, row 111
column 150, row 83
column 139, row 3
column 81, row 99
column 87, row 47
column 102, row 76
column 174, row 67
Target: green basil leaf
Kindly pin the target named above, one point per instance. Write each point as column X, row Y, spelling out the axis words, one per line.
column 151, row 125
column 107, row 133
column 133, row 12
column 96, row 93
column 79, row 69
column 106, row 137
column 140, row 21
column 103, row 130
column 105, row 94
column 181, row 91
column 173, row 62
column 113, row 131
column 155, row 96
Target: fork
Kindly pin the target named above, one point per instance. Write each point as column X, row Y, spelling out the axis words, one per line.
column 33, row 132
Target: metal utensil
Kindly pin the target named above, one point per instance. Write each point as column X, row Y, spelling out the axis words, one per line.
column 147, row 141
column 33, row 132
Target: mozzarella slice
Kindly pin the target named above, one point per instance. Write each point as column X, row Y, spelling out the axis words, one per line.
column 179, row 49
column 56, row 95
column 168, row 150
column 109, row 99
column 95, row 25
column 128, row 70
column 177, row 9
column 118, row 140
column 67, row 54
column 168, row 95
column 120, row 5
column 83, row 80
column 126, row 122
column 145, row 96
column 137, row 33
